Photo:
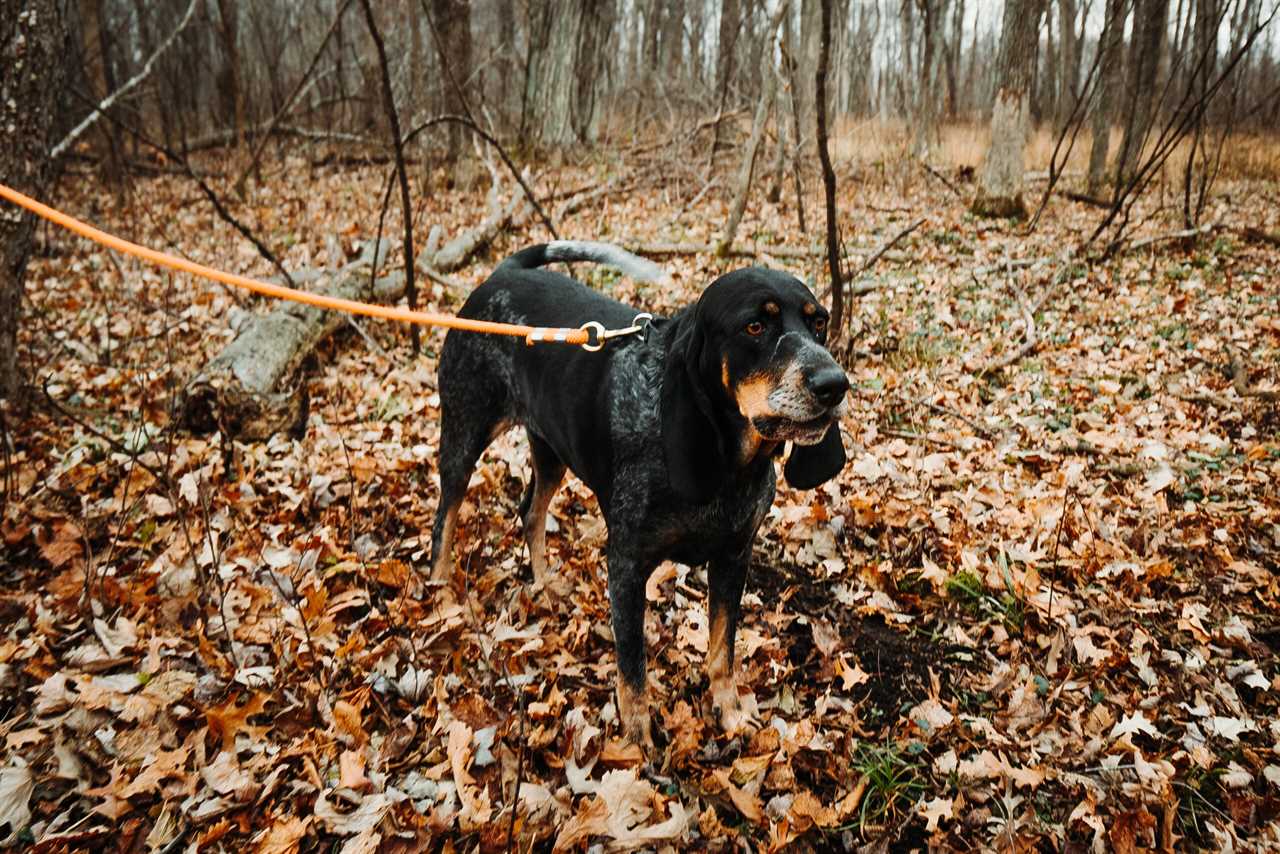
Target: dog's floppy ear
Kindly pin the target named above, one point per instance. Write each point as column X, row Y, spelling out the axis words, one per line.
column 692, row 442
column 813, row 465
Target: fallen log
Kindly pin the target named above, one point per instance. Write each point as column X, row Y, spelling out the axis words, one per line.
column 252, row 389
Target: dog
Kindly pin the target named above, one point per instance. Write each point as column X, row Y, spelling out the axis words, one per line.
column 675, row 431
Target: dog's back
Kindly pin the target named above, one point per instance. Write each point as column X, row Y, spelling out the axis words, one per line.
column 558, row 392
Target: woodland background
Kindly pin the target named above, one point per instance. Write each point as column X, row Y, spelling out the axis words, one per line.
column 1038, row 610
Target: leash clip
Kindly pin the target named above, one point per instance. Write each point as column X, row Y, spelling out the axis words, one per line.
column 640, row 324
column 598, row 328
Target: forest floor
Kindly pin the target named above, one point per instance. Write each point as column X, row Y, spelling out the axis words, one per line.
column 1037, row 610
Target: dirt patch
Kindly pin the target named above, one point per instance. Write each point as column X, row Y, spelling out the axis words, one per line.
column 897, row 659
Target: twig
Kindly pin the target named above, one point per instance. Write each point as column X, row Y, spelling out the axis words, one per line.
column 289, row 101
column 1258, row 235
column 218, row 207
column 943, row 178
column 1084, row 198
column 109, row 101
column 1029, row 343
column 1057, row 542
column 440, row 278
column 835, row 279
column 85, row 425
column 1175, row 235
column 515, row 795
column 389, row 104
column 860, row 289
column 980, row 429
column 916, row 437
column 1009, row 264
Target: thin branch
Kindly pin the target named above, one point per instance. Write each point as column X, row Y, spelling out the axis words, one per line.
column 288, row 102
column 209, row 194
column 829, row 179
column 502, row 152
column 943, row 178
column 406, row 206
column 109, row 101
column 859, row 290
column 470, row 121
column 1184, row 234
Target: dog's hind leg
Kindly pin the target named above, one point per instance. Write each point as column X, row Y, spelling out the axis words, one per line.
column 472, row 411
column 548, row 473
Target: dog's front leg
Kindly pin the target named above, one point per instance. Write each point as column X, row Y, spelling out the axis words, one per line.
column 726, row 578
column 627, row 576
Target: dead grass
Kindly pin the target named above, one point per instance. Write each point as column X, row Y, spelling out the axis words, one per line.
column 964, row 144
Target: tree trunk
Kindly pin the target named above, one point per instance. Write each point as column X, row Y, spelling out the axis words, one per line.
column 1070, row 41
column 1044, row 104
column 1150, row 18
column 100, row 74
column 673, row 41
column 452, row 20
column 33, row 49
column 505, row 66
column 552, row 83
column 251, row 390
column 951, row 57
column 229, row 83
column 926, row 106
column 590, row 65
column 1109, row 69
column 417, row 51
column 806, row 56
column 726, row 45
column 1000, row 188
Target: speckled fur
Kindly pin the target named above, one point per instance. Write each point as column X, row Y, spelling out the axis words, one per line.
column 647, row 424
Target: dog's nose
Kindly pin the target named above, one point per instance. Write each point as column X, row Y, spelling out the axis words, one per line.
column 828, row 384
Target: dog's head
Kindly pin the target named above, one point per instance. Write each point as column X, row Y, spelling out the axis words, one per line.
column 748, row 368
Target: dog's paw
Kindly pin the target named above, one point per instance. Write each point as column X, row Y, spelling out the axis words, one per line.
column 738, row 714
column 637, row 728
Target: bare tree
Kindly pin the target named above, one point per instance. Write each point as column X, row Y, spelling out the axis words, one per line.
column 932, row 13
column 32, row 57
column 1109, row 69
column 1070, row 54
column 1000, row 188
column 452, row 19
column 1150, row 18
column 230, row 86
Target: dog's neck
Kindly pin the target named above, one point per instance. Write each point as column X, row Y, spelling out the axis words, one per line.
column 752, row 446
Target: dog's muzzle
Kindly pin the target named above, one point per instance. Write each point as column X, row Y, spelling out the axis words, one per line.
column 805, row 404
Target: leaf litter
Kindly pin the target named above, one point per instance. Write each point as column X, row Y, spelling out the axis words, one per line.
column 1038, row 604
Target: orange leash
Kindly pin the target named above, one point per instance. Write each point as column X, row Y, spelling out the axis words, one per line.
column 531, row 334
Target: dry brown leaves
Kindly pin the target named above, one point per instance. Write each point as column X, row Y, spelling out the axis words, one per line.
column 1039, row 604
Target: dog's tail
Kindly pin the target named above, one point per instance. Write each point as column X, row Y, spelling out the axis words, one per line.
column 595, row 252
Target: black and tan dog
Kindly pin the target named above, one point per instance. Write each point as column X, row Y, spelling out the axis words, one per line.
column 675, row 431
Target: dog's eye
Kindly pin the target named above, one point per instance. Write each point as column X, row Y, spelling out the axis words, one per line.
column 755, row 327
column 819, row 324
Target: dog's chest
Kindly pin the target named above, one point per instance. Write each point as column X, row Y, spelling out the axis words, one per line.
column 635, row 387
